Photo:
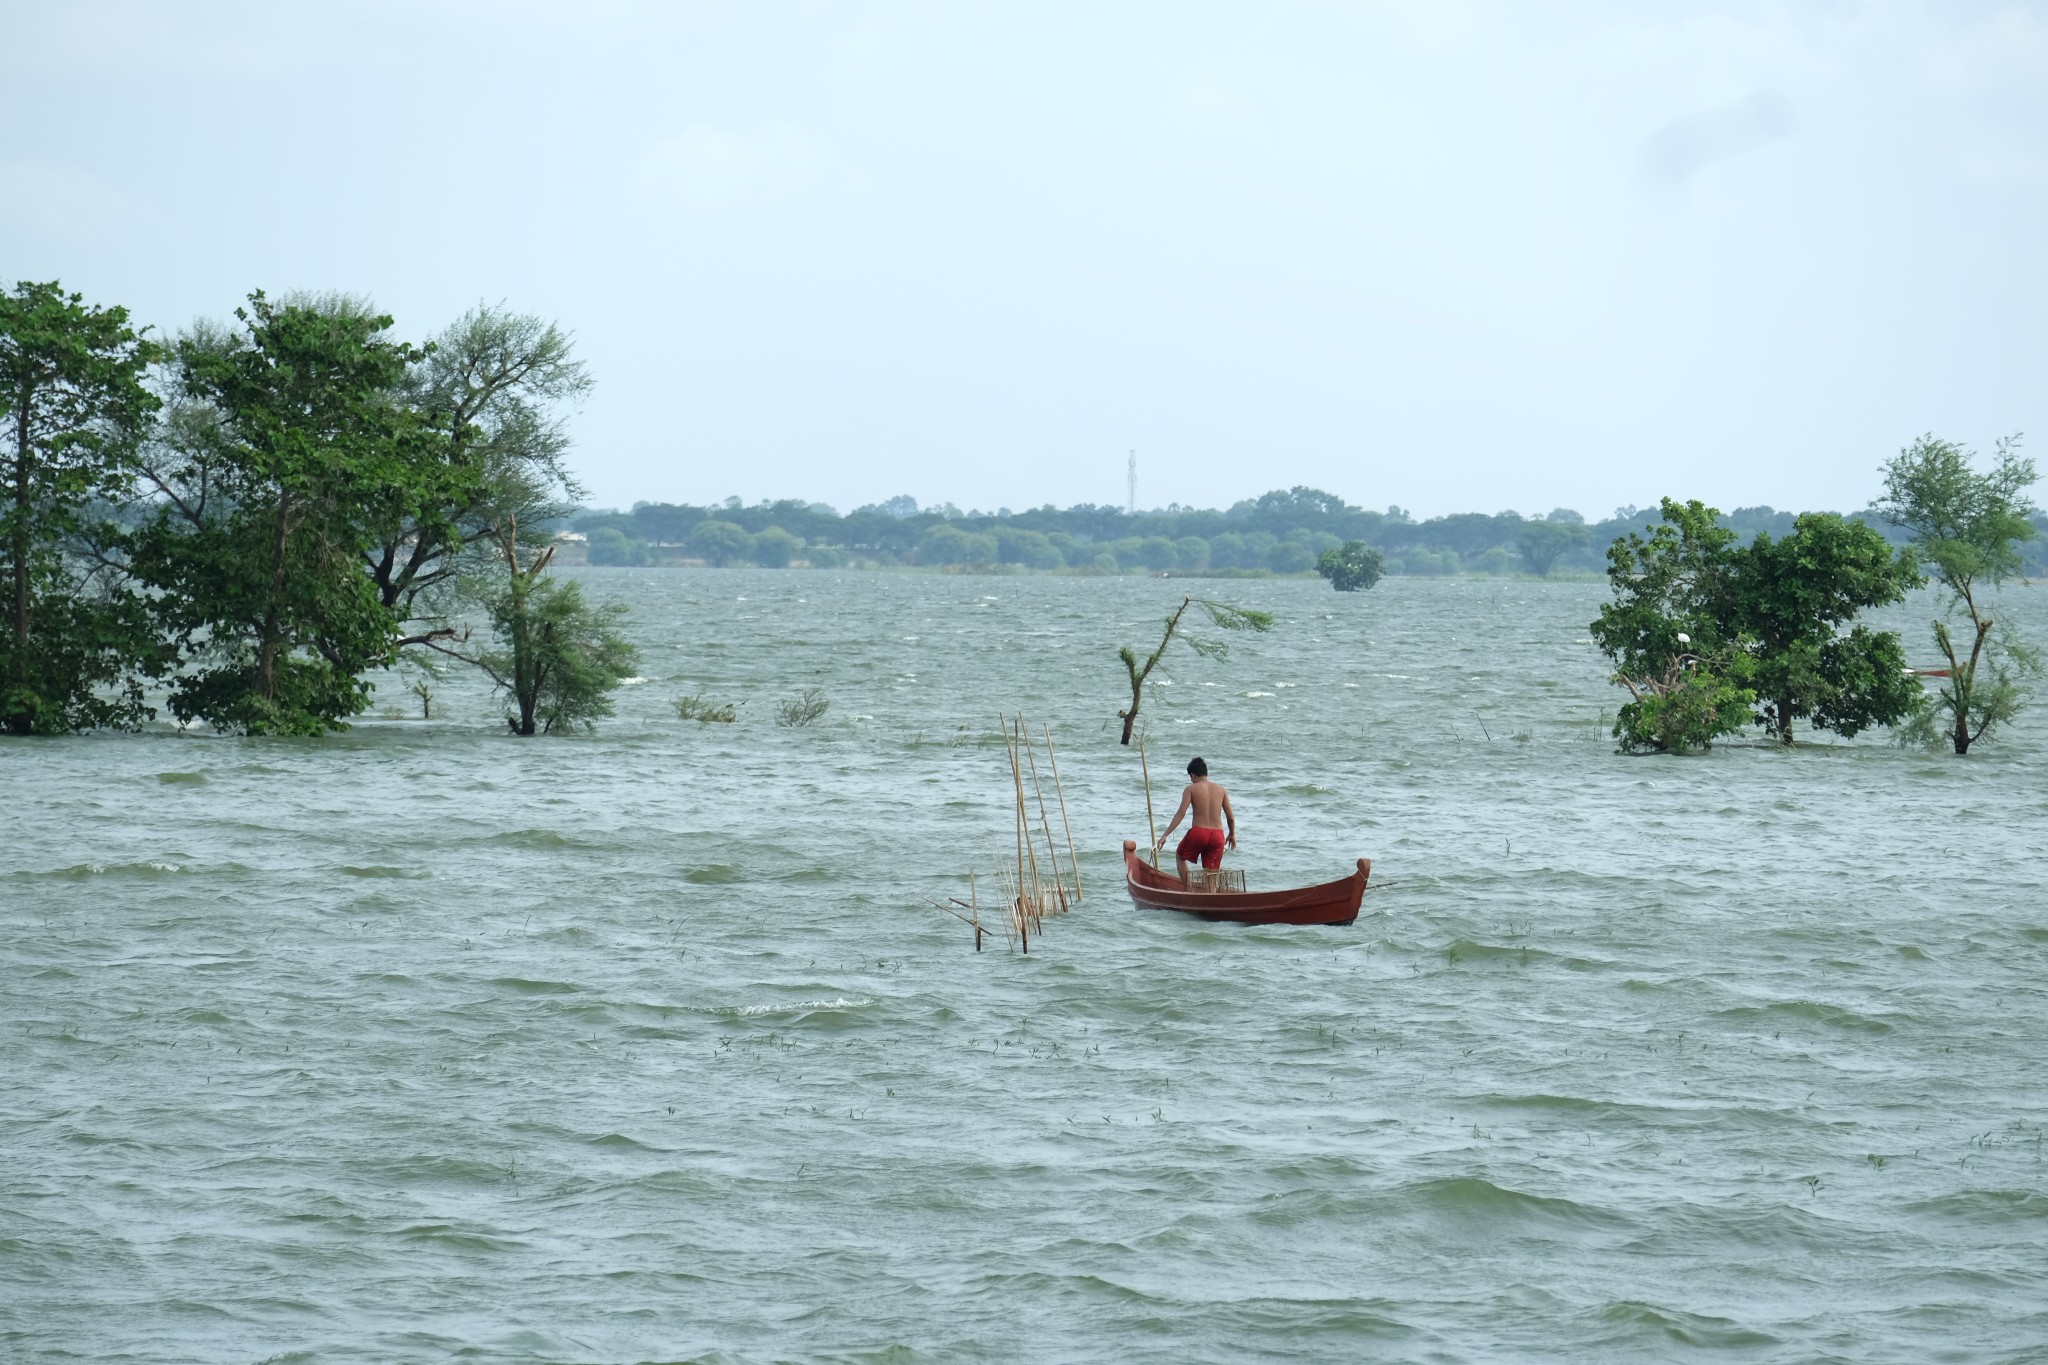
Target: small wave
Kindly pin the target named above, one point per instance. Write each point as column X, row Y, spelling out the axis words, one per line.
column 805, row 1006
column 1989, row 1206
column 1834, row 1015
column 537, row 838
column 715, row 874
column 1473, row 1195
column 529, row 987
column 181, row 779
column 633, row 681
column 1255, row 694
column 378, row 870
column 1691, row 1329
column 79, row 872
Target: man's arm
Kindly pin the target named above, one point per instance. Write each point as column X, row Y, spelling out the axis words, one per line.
column 1230, row 818
column 1187, row 794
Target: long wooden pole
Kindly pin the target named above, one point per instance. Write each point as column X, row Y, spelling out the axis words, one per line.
column 1025, row 850
column 1052, row 855
column 1073, row 863
column 1151, row 822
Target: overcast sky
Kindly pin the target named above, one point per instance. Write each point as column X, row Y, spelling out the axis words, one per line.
column 1454, row 256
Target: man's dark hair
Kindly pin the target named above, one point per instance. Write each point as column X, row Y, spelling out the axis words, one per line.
column 1197, row 768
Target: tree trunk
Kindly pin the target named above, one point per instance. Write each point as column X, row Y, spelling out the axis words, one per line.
column 266, row 650
column 1784, row 720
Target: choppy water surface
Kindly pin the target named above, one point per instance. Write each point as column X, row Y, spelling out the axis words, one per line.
column 424, row 1042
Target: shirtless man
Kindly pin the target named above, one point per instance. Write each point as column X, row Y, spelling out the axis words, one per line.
column 1207, row 837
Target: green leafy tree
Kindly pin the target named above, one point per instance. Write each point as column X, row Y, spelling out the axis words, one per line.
column 1222, row 614
column 774, row 547
column 1967, row 525
column 1793, row 595
column 1542, row 543
column 556, row 658
column 1707, row 634
column 720, row 542
column 275, row 476
column 1666, row 632
column 1352, row 567
column 1290, row 556
column 496, row 385
column 611, row 546
column 73, row 405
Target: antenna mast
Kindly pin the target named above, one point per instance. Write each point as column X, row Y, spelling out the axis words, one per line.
column 1131, row 503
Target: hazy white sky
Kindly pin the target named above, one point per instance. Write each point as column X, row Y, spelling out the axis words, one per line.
column 1456, row 256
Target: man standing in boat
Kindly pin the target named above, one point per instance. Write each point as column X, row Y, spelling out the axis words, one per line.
column 1215, row 826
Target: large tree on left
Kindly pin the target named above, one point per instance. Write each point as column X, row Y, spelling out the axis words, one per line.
column 73, row 403
column 289, row 453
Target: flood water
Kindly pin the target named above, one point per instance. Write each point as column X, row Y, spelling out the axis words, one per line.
column 423, row 1042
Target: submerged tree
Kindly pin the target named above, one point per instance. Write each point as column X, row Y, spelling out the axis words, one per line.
column 557, row 658
column 1224, row 616
column 494, row 384
column 1352, row 566
column 1792, row 597
column 1967, row 525
column 274, row 477
column 1665, row 631
column 1708, row 634
column 73, row 405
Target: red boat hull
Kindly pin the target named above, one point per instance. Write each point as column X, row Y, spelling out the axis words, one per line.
column 1331, row 903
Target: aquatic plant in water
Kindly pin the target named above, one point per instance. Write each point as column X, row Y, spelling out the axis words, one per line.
column 705, row 711
column 806, row 708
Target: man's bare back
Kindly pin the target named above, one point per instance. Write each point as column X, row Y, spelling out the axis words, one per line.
column 1214, row 826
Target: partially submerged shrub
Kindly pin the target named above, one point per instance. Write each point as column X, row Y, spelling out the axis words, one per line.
column 806, row 708
column 705, row 711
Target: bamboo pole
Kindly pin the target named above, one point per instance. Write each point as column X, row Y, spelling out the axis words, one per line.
column 1044, row 820
column 1151, row 822
column 1025, row 849
column 1073, row 863
column 974, row 905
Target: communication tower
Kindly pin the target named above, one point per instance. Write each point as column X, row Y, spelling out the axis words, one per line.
column 1131, row 495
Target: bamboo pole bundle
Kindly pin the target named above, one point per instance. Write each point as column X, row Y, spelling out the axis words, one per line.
column 1052, row 856
column 1027, row 851
column 1073, row 863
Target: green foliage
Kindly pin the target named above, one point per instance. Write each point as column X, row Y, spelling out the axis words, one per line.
column 1352, row 567
column 949, row 545
column 720, row 542
column 73, row 407
column 1221, row 614
column 775, row 547
column 1290, row 556
column 1542, row 542
column 610, row 546
column 1791, row 597
column 494, row 385
column 277, row 476
column 806, row 708
column 1703, row 629
column 705, row 711
column 1687, row 708
column 557, row 658
column 1968, row 525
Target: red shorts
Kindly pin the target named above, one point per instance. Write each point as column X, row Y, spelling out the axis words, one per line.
column 1204, row 845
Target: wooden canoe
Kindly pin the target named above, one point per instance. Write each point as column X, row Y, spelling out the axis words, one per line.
column 1331, row 903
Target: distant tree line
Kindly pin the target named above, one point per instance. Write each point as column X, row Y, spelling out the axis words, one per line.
column 1282, row 532
column 254, row 517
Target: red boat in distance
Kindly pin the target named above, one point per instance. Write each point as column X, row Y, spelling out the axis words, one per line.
column 1331, row 903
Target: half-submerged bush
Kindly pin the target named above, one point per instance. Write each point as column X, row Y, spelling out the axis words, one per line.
column 705, row 711
column 806, row 708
